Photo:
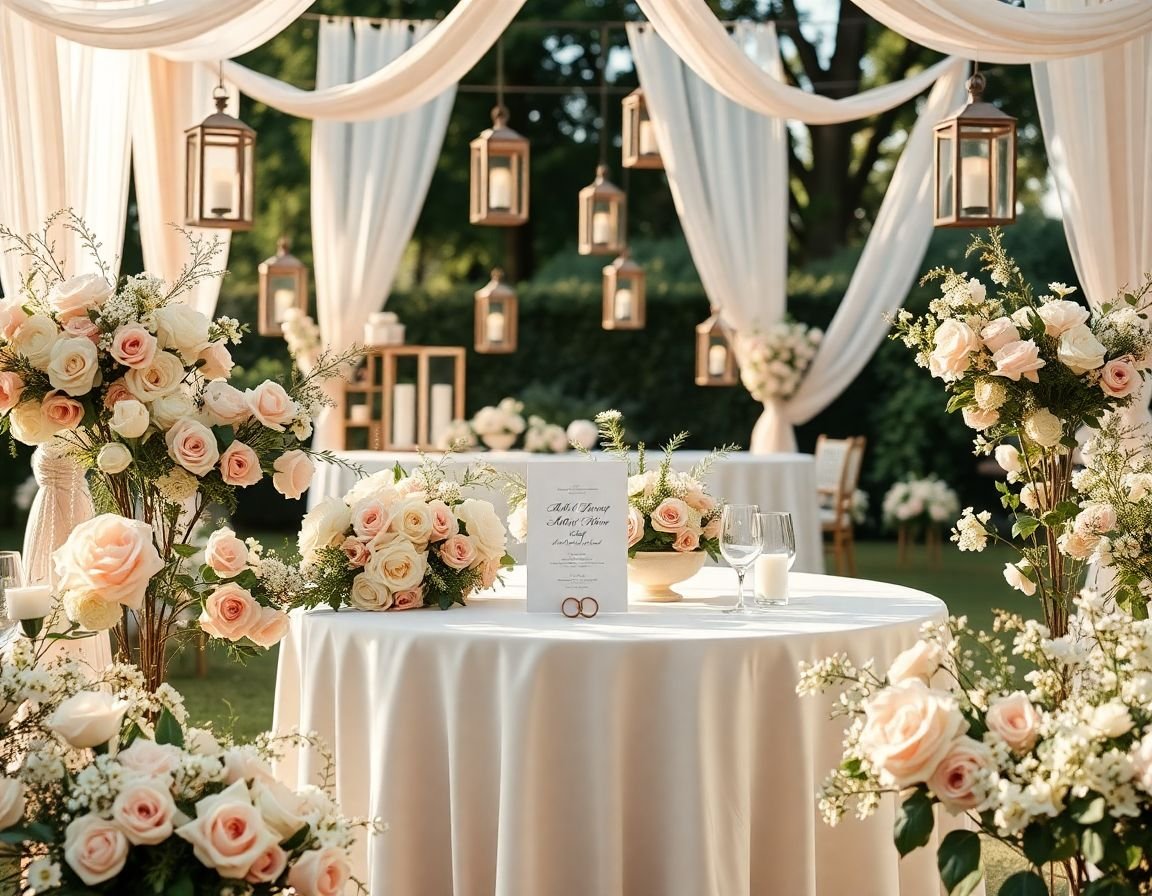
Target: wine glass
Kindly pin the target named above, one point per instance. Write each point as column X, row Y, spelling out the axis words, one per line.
column 740, row 545
column 778, row 553
column 11, row 576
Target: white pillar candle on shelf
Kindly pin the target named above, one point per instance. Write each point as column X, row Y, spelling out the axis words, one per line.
column 647, row 138
column 622, row 309
column 28, row 602
column 772, row 576
column 283, row 300
column 500, row 187
column 220, row 191
column 495, row 326
column 404, row 415
column 441, row 411
column 717, row 360
column 360, row 414
column 974, row 183
column 602, row 228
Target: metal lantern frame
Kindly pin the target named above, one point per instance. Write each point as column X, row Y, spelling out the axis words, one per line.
column 638, row 145
column 497, row 335
column 219, row 170
column 499, row 149
column 624, row 298
column 283, row 285
column 975, row 170
column 602, row 204
column 714, row 334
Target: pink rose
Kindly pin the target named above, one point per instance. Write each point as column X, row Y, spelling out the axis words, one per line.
column 11, row 387
column 458, row 552
column 1119, row 378
column 370, row 517
column 320, row 872
column 489, row 571
column 240, row 466
column 999, row 333
column 1018, row 359
column 133, row 346
column 192, row 445
column 115, row 392
column 270, row 404
column 268, row 866
column 356, row 550
column 228, row 833
column 218, row 362
column 111, row 556
column 225, row 404
column 226, row 554
column 1095, row 519
column 671, row 515
column 82, row 328
column 409, row 600
column 700, row 501
column 444, row 522
column 95, row 849
column 150, row 759
column 144, row 810
column 953, row 342
column 270, row 628
column 12, row 314
column 978, row 419
column 687, row 540
column 230, row 612
column 712, row 528
column 1077, row 545
column 61, row 412
column 635, row 525
column 908, row 729
column 960, row 780
column 920, row 661
column 293, row 471
column 1015, row 719
column 76, row 296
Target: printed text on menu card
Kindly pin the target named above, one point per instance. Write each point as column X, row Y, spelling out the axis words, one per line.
column 577, row 541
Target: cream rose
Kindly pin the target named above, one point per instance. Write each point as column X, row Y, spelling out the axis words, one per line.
column 979, row 419
column 398, row 565
column 150, row 759
column 1008, row 456
column 458, row 552
column 920, row 661
column 61, row 412
column 240, row 466
column 320, row 872
column 73, row 366
column 1119, row 378
column 483, row 526
column 1015, row 576
column 88, row 719
column 908, row 729
column 226, row 554
column 324, row 525
column 635, row 525
column 28, row 424
column 230, row 612
column 192, row 445
column 953, row 344
column 961, row 779
column 95, row 849
column 144, row 811
column 279, row 807
column 1077, row 545
column 270, row 628
column 76, row 296
column 268, row 867
column 1141, row 758
column 225, row 404
column 217, row 362
column 167, row 409
column 182, row 328
column 1111, row 719
column 413, row 520
column 671, row 515
column 517, row 523
column 113, row 458
column 35, row 339
column 133, row 346
column 111, row 555
column 228, row 833
column 1018, row 359
column 292, row 473
column 1060, row 316
column 369, row 593
column 999, row 333
column 129, row 419
column 201, row 742
column 90, row 611
column 1015, row 720
column 1095, row 519
column 411, row 599
column 11, row 802
column 11, row 388
column 1044, row 428
column 160, row 377
column 1080, row 351
column 687, row 540
column 271, row 405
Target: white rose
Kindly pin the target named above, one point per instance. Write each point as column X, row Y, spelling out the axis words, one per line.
column 73, row 366
column 35, row 339
column 113, row 458
column 1061, row 315
column 75, row 296
column 921, row 661
column 88, row 719
column 129, row 418
column 583, row 433
column 1111, row 719
column 369, row 593
column 167, row 409
column 160, row 377
column 1008, row 456
column 201, row 742
column 1014, row 575
column 279, row 807
column 11, row 802
column 323, row 526
column 484, row 527
column 518, row 523
column 1044, row 428
column 225, row 404
column 398, row 565
column 1080, row 351
column 182, row 328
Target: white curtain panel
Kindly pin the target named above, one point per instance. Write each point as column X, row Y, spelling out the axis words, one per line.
column 369, row 181
column 171, row 97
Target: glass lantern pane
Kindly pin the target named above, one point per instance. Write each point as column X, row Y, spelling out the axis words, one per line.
column 646, row 138
column 282, row 295
column 501, row 183
column 192, row 196
column 975, row 176
column 624, row 302
column 221, row 182
column 1005, row 199
column 944, row 178
column 248, row 185
column 603, row 223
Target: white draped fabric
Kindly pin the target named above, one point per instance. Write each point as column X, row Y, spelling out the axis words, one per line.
column 369, row 181
column 170, row 97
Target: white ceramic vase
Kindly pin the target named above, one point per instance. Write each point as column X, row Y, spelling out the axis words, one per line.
column 499, row 441
column 652, row 573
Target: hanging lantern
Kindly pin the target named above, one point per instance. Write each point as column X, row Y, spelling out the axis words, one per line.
column 499, row 193
column 715, row 356
column 603, row 207
column 976, row 164
column 623, row 294
column 219, row 165
column 496, row 316
column 283, row 286
column 639, row 144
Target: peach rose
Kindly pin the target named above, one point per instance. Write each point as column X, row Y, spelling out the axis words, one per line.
column 162, row 376
column 687, row 540
column 920, row 661
column 999, row 333
column 240, row 466
column 671, row 515
column 228, row 833
column 1018, row 359
column 270, row 628
column 217, row 362
column 1077, row 545
column 88, row 719
column 908, row 729
column 635, row 525
column 1016, row 720
column 116, row 392
column 226, row 554
column 444, row 522
column 978, row 419
column 1060, row 316
column 150, row 759
column 76, row 296
column 356, row 550
column 110, row 555
column 320, row 872
column 370, row 517
column 271, row 405
column 953, row 342
column 292, row 473
column 133, row 346
column 268, row 867
column 410, row 599
column 129, row 418
column 230, row 612
column 1015, row 576
column 192, row 445
column 12, row 314
column 458, row 552
column 489, row 572
column 82, row 328
column 225, row 404
column 712, row 528
column 144, row 810
column 11, row 387
column 960, row 780
column 1119, row 378
column 700, row 501
column 95, row 849
column 1095, row 519
column 12, row 802
column 61, row 412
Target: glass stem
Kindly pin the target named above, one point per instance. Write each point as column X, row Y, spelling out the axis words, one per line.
column 740, row 588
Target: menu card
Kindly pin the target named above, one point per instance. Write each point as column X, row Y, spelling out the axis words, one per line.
column 577, row 534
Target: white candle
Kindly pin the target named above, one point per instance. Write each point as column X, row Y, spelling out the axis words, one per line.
column 601, row 228
column 403, row 415
column 495, row 326
column 283, row 300
column 500, row 187
column 29, row 602
column 647, row 138
column 441, row 411
column 220, row 191
column 974, row 184
column 772, row 577
column 717, row 360
column 360, row 413
column 623, row 310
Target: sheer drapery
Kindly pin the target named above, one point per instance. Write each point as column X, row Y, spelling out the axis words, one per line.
column 369, row 181
column 171, row 96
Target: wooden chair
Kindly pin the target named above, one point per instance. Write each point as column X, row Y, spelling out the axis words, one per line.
column 838, row 463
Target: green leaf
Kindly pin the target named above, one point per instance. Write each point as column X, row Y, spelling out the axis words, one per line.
column 914, row 822
column 1087, row 809
column 168, row 730
column 225, row 436
column 1038, row 843
column 184, row 550
column 1092, row 845
column 32, row 627
column 1024, row 883
column 1110, row 886
column 1024, row 526
column 959, row 861
column 185, row 581
column 398, row 472
column 182, row 886
column 208, row 574
column 32, row 832
column 297, row 840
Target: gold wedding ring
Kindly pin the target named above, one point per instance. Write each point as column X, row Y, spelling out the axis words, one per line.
column 580, row 607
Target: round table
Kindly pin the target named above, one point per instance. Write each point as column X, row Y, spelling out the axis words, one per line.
column 663, row 751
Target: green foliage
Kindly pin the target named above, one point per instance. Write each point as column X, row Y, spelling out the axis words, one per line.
column 1024, row 883
column 915, row 820
column 959, row 861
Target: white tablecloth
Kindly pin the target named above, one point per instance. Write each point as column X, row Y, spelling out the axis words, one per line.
column 774, row 481
column 660, row 752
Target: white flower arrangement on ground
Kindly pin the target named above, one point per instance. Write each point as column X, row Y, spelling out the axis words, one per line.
column 773, row 363
column 919, row 502
column 302, row 336
column 542, row 437
column 505, row 419
column 106, row 788
column 398, row 542
column 457, row 436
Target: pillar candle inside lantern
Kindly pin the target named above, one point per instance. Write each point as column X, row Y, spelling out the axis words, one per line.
column 404, row 415
column 602, row 228
column 623, row 307
column 717, row 360
column 495, row 326
column 220, row 191
column 283, row 300
column 647, row 138
column 974, row 184
column 500, row 188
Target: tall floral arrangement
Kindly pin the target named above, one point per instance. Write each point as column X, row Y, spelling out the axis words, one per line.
column 773, row 362
column 920, row 502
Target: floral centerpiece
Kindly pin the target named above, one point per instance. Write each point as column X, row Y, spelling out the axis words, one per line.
column 398, row 542
column 498, row 427
column 924, row 503
column 773, row 362
column 542, row 437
